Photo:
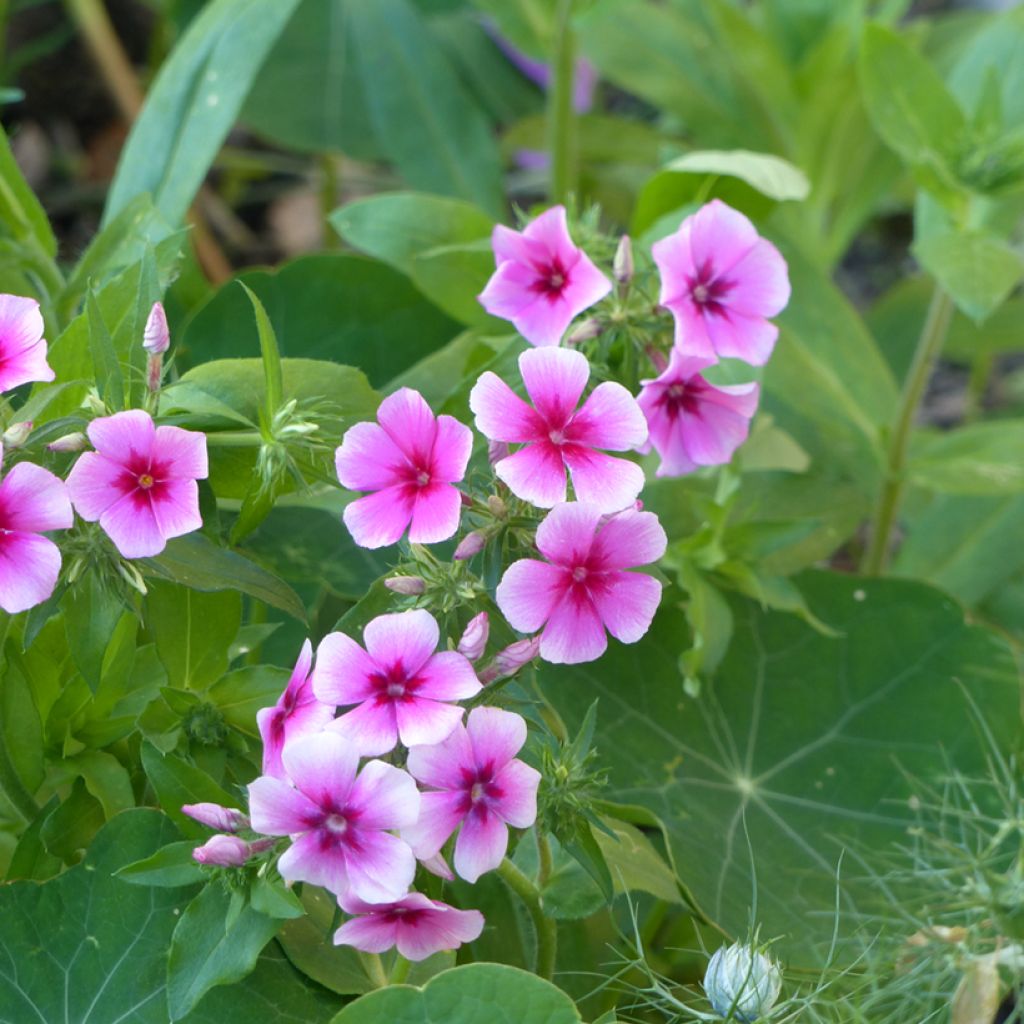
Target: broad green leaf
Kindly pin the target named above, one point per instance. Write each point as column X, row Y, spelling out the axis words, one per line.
column 193, row 103
column 30, row 858
column 771, row 175
column 240, row 694
column 452, row 276
column 21, row 730
column 91, row 611
column 472, row 994
column 211, row 947
column 71, row 826
column 87, row 947
column 801, row 742
column 634, row 863
column 172, row 865
column 993, row 51
column 427, row 123
column 105, row 778
column 21, row 213
column 982, row 458
column 978, row 270
column 177, row 783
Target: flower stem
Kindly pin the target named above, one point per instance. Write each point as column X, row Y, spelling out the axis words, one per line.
column 544, row 865
column 561, row 122
column 929, row 346
column 545, row 927
column 400, row 970
column 374, row 969
column 234, row 439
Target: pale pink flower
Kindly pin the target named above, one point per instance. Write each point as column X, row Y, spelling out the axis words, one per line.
column 694, row 423
column 722, row 281
column 140, row 483
column 32, row 501
column 22, row 346
column 339, row 820
column 401, row 687
column 477, row 783
column 227, row 819
column 584, row 587
column 556, row 435
column 411, row 460
column 543, row 280
column 297, row 713
column 418, row 926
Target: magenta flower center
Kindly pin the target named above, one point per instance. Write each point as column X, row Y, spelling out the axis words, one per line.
column 681, row 397
column 707, row 291
column 551, row 279
column 394, row 684
column 579, row 574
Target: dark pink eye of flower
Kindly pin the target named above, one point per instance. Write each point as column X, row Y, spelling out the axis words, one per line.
column 708, row 291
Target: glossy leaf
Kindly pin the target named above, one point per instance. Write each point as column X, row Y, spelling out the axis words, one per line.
column 771, row 175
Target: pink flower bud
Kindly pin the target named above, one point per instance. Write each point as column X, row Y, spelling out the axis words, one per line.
column 17, row 434
column 223, row 851
column 156, row 338
column 585, row 331
column 497, row 507
column 76, row 442
column 474, row 639
column 410, row 586
column 622, row 265
column 511, row 659
column 497, row 450
column 227, row 819
column 470, row 545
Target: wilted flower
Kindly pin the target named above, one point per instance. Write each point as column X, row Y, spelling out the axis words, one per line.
column 227, row 819
column 742, row 983
column 22, row 346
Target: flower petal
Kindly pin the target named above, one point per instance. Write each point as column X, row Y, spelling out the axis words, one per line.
column 529, row 592
column 368, row 460
column 575, row 632
column 550, row 233
column 132, row 526
column 761, row 282
column 405, row 638
column 373, row 933
column 543, row 321
column 29, row 567
column 95, row 483
column 440, row 815
column 318, row 859
column 713, row 433
column 554, row 379
column 32, row 499
column 408, row 421
column 481, row 845
column 630, row 539
column 674, row 259
column 444, row 927
column 441, row 764
column 535, row 473
column 610, row 418
column 182, row 453
column 448, row 675
column 22, row 348
column 343, row 671
column 435, row 513
column 517, row 804
column 510, row 289
column 425, row 721
column 737, row 336
column 175, row 506
column 453, row 446
column 566, row 534
column 322, row 766
column 628, row 605
column 369, row 728
column 384, row 797
column 380, row 519
column 607, row 482
column 720, row 237
column 383, row 869
column 496, row 736
column 501, row 414
column 277, row 809
column 123, row 437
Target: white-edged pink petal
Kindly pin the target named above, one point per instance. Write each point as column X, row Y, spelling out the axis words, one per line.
column 605, row 481
column 374, row 933
column 277, row 809
column 495, row 735
column 528, row 593
column 423, row 721
column 453, row 445
column 95, row 483
column 566, row 533
column 370, row 728
column 318, row 859
column 574, row 633
column 440, row 815
column 131, row 525
column 517, row 804
column 481, row 844
column 29, row 567
column 440, row 765
column 713, row 433
column 181, row 453
column 380, row 519
column 441, row 928
column 736, row 336
column 535, row 473
column 368, row 460
column 343, row 671
column 383, row 869
column 610, row 418
column 501, row 414
column 435, row 513
column 630, row 539
column 692, row 337
column 543, row 321
column 384, row 797
column 628, row 604
column 22, row 348
column 447, row 675
column 322, row 766
column 34, row 500
column 409, row 638
column 760, row 282
column 554, row 379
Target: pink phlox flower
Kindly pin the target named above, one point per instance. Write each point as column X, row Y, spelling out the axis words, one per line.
column 542, row 279
column 556, row 435
column 584, row 587
column 227, row 819
column 411, row 461
column 32, row 501
column 694, row 423
column 339, row 820
column 140, row 483
column 477, row 783
column 297, row 713
column 22, row 346
column 418, row 926
column 401, row 685
column 722, row 281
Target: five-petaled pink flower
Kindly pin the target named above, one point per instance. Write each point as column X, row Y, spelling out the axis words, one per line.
column 297, row 713
column 411, row 460
column 418, row 926
column 478, row 783
column 543, row 280
column 556, row 435
column 339, row 820
column 721, row 281
column 140, row 483
column 693, row 423
column 400, row 685
column 32, row 500
column 584, row 587
column 22, row 346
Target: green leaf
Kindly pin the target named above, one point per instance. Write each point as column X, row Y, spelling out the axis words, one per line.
column 177, row 783
column 771, row 175
column 801, row 742
column 109, row 379
column 978, row 270
column 171, row 866
column 472, row 994
column 21, row 730
column 209, row 948
column 240, row 694
column 196, row 562
column 71, row 825
column 272, row 899
column 105, row 778
column 437, row 136
column 30, row 859
column 983, row 458
column 88, row 947
column 634, row 863
column 21, row 213
column 91, row 611
column 193, row 103
column 452, row 276
column 273, row 382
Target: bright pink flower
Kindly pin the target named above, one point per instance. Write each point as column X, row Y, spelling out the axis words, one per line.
column 297, row 713
column 411, row 460
column 32, row 500
column 227, row 819
column 339, row 820
column 721, row 281
column 477, row 782
column 400, row 685
column 543, row 280
column 693, row 423
column 557, row 436
column 584, row 587
column 140, row 483
column 418, row 926
column 22, row 346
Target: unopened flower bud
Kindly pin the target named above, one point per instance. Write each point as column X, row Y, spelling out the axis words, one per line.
column 17, row 434
column 474, row 639
column 409, row 586
column 470, row 545
column 497, row 507
column 622, row 265
column 511, row 659
column 94, row 404
column 741, row 983
column 585, row 331
column 223, row 851
column 227, row 819
column 156, row 337
column 496, row 451
column 76, row 442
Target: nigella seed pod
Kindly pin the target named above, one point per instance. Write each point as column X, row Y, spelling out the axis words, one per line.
column 742, row 983
column 408, row 586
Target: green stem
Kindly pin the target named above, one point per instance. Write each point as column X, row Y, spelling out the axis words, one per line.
column 10, row 780
column 545, row 927
column 329, row 180
column 561, row 121
column 544, row 864
column 235, row 439
column 374, row 969
column 929, row 346
column 400, row 970
column 977, row 384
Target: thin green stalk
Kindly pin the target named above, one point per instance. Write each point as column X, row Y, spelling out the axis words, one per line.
column 544, row 865
column 545, row 927
column 929, row 346
column 977, row 385
column 329, row 182
column 374, row 969
column 234, row 439
column 400, row 970
column 561, row 121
